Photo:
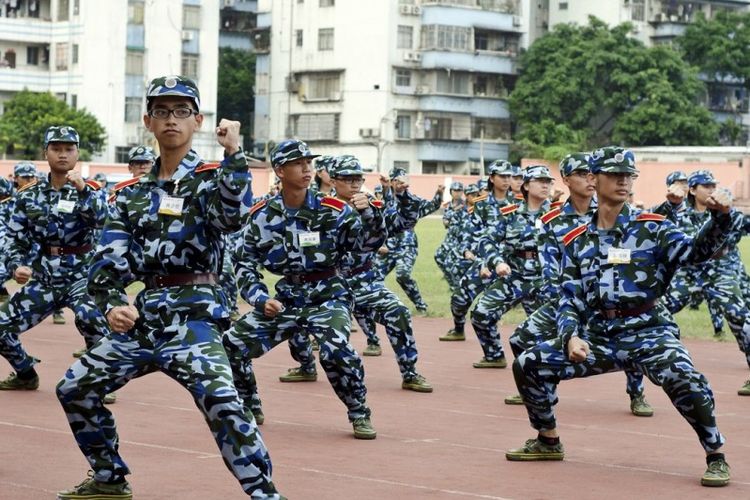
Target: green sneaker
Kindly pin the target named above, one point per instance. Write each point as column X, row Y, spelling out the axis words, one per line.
column 534, row 450
column 13, row 383
column 514, row 400
column 258, row 415
column 297, row 375
column 363, row 429
column 58, row 318
column 79, row 352
column 717, row 474
column 745, row 389
column 640, row 407
column 110, row 399
column 491, row 363
column 372, row 350
column 417, row 384
column 314, row 344
column 94, row 490
column 452, row 336
column 234, row 316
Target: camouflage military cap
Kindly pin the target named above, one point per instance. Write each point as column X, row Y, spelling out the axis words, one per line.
column 457, row 186
column 516, row 171
column 471, row 189
column 536, row 172
column 612, row 160
column 396, row 172
column 289, row 151
column 24, row 169
column 101, row 177
column 61, row 134
column 500, row 167
column 378, row 189
column 324, row 162
column 174, row 86
column 701, row 177
column 482, row 184
column 575, row 162
column 42, row 176
column 6, row 187
column 675, row 176
column 141, row 153
column 345, row 166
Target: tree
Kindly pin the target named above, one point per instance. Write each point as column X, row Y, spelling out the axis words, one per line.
column 236, row 96
column 28, row 115
column 587, row 86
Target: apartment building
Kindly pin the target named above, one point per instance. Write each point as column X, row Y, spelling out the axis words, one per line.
column 419, row 85
column 100, row 55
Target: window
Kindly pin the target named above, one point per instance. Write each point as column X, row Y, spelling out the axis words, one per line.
column 481, row 40
column 135, row 12
column 32, row 55
column 453, row 82
column 637, row 10
column 315, row 127
column 61, row 56
column 480, row 85
column 405, row 35
column 327, row 3
column 403, row 78
column 10, row 58
column 76, row 7
column 298, row 37
column 191, row 17
column 403, row 127
column 563, row 5
column 132, row 109
column 190, row 66
column 74, row 101
column 436, row 127
column 74, row 54
column 63, row 10
column 436, row 36
column 401, row 164
column 490, row 129
column 325, row 39
column 122, row 153
column 324, row 86
column 133, row 62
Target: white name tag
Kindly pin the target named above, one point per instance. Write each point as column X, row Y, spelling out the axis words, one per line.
column 66, row 206
column 538, row 223
column 618, row 256
column 311, row 239
column 171, row 206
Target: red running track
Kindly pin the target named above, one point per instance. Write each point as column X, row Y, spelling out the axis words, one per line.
column 446, row 445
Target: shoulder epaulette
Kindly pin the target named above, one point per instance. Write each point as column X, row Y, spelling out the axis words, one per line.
column 481, row 198
column 556, row 204
column 552, row 214
column 573, row 234
column 377, row 203
column 93, row 184
column 258, row 206
column 7, row 198
column 648, row 216
column 125, row 183
column 27, row 186
column 335, row 203
column 509, row 209
column 207, row 166
column 470, row 210
column 518, row 196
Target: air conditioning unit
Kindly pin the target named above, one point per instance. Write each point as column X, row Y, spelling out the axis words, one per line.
column 659, row 17
column 367, row 132
column 416, row 10
column 187, row 35
column 516, row 21
column 412, row 56
column 405, row 9
column 292, row 86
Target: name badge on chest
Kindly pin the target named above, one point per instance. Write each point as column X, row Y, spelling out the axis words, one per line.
column 171, row 205
column 618, row 256
column 538, row 224
column 66, row 206
column 309, row 239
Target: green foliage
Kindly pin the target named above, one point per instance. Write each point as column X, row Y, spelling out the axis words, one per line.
column 236, row 98
column 585, row 86
column 28, row 114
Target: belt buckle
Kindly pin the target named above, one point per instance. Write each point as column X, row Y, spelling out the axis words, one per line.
column 55, row 251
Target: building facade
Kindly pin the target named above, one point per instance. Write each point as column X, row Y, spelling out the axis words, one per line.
column 419, row 85
column 100, row 55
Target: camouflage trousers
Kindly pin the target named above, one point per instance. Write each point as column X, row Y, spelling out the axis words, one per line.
column 189, row 351
column 499, row 298
column 724, row 290
column 541, row 326
column 403, row 261
column 445, row 260
column 329, row 323
column 657, row 352
column 35, row 301
column 228, row 283
column 470, row 286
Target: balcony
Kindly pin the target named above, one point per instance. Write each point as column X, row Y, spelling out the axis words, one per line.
column 27, row 30
column 470, row 18
column 479, row 107
column 452, row 151
column 478, row 61
column 504, row 6
column 42, row 80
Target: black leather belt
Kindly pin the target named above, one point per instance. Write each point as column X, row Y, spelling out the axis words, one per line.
column 526, row 254
column 56, row 251
column 180, row 279
column 298, row 279
column 627, row 313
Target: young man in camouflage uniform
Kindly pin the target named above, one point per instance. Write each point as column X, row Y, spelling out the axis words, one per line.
column 556, row 223
column 165, row 230
column 51, row 238
column 305, row 239
column 6, row 208
column 445, row 255
column 615, row 268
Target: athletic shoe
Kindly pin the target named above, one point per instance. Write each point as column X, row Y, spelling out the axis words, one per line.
column 745, row 389
column 363, row 429
column 640, row 407
column 92, row 489
column 534, row 450
column 259, row 417
column 79, row 352
column 513, row 400
column 13, row 383
column 372, row 350
column 110, row 399
column 297, row 375
column 500, row 362
column 58, row 318
column 717, row 473
column 417, row 384
column 452, row 336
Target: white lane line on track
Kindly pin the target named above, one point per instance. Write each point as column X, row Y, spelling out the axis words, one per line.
column 27, row 487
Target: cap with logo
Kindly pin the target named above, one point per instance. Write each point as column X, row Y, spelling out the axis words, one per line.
column 180, row 86
column 289, row 151
column 345, row 166
column 396, row 172
column 500, row 167
column 141, row 153
column 457, row 186
column 24, row 169
column 61, row 134
column 324, row 162
column 536, row 172
column 701, row 177
column 675, row 176
column 471, row 189
column 613, row 160
column 575, row 162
